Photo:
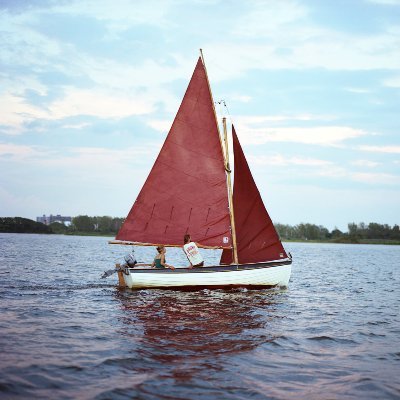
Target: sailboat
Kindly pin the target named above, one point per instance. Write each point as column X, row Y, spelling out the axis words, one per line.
column 189, row 191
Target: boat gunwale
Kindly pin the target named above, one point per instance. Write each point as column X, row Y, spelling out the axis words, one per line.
column 213, row 268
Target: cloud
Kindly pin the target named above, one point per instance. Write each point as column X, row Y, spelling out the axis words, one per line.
column 17, row 204
column 381, row 149
column 76, row 126
column 240, row 98
column 121, row 88
column 393, row 82
column 253, row 24
column 365, row 163
column 316, row 135
column 280, row 160
column 314, row 168
column 15, row 112
column 98, row 103
column 160, row 125
column 329, row 50
column 377, row 178
column 334, row 172
column 14, row 151
column 85, row 84
column 78, row 157
column 121, row 18
column 386, row 2
column 261, row 119
column 357, row 90
column 283, row 35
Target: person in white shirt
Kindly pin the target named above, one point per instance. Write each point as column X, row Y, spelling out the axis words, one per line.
column 192, row 252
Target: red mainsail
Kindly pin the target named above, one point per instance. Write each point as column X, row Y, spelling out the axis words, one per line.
column 186, row 190
column 256, row 237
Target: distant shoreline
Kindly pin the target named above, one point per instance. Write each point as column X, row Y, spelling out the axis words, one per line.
column 330, row 241
column 84, row 225
column 357, row 241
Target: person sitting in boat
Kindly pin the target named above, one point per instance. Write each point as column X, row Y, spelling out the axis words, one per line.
column 192, row 252
column 159, row 260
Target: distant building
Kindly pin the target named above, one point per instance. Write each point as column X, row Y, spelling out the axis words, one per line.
column 47, row 220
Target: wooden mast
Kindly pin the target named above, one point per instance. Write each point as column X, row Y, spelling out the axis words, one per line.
column 225, row 154
column 231, row 212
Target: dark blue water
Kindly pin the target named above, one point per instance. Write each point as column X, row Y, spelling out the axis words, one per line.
column 67, row 334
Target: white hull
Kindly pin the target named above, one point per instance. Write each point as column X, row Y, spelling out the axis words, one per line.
column 257, row 275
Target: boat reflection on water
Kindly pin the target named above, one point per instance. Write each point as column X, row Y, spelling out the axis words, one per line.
column 184, row 335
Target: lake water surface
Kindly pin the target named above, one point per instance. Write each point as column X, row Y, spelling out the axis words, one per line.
column 67, row 334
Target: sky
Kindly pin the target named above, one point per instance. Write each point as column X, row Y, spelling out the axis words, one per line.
column 89, row 90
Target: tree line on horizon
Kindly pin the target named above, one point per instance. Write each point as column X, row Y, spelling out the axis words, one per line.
column 106, row 225
column 356, row 232
column 80, row 224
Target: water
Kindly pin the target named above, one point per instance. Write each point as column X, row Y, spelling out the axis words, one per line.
column 67, row 334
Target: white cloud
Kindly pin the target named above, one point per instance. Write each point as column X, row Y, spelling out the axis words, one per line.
column 381, row 149
column 103, row 104
column 276, row 35
column 376, row 178
column 386, row 2
column 281, row 160
column 240, row 98
column 365, row 163
column 316, row 135
column 161, row 125
column 326, row 169
column 81, row 157
column 357, row 90
column 262, row 119
column 14, row 151
column 122, row 17
column 14, row 204
column 392, row 82
column 266, row 17
column 333, row 172
column 77, row 126
column 15, row 111
column 118, row 89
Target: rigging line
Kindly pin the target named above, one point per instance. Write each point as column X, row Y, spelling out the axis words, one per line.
column 221, row 104
column 220, row 110
column 229, row 114
column 224, row 110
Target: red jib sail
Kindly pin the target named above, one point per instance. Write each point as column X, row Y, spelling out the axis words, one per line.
column 186, row 190
column 256, row 237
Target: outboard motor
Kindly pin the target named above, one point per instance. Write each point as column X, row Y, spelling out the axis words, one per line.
column 130, row 259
